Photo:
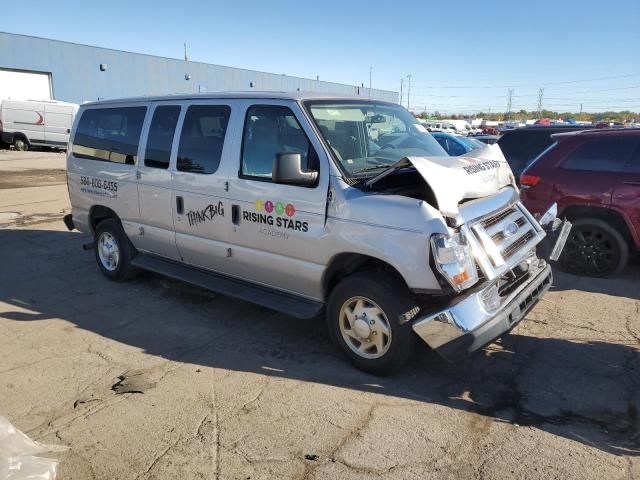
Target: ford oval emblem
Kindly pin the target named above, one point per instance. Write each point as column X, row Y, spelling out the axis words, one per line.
column 511, row 229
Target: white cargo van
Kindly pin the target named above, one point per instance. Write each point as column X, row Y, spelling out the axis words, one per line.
column 288, row 200
column 28, row 123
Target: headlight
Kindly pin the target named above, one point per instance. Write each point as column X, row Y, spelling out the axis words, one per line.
column 454, row 259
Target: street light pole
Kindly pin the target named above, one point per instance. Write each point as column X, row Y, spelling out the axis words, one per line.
column 409, row 92
column 401, row 88
column 370, row 70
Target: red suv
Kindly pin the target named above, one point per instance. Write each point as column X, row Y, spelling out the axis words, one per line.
column 594, row 176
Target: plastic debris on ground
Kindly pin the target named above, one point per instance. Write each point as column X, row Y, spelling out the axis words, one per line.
column 19, row 458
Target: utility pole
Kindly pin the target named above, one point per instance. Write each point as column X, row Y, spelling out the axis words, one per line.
column 370, row 72
column 540, row 96
column 186, row 59
column 509, row 98
column 409, row 92
column 580, row 109
column 401, row 87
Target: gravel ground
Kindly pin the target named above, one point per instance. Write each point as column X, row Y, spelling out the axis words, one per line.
column 154, row 379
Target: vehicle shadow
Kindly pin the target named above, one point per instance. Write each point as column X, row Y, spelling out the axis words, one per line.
column 588, row 392
column 627, row 284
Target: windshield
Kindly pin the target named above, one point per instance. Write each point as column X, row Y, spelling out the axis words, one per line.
column 472, row 143
column 368, row 136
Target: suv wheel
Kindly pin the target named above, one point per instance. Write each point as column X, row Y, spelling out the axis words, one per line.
column 114, row 252
column 594, row 248
column 363, row 319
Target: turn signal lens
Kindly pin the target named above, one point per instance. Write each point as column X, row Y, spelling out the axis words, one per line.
column 460, row 278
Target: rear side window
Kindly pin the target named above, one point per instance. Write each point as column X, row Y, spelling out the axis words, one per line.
column 601, row 155
column 161, row 131
column 202, row 138
column 109, row 134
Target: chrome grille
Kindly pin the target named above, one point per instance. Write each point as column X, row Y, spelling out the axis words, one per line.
column 506, row 233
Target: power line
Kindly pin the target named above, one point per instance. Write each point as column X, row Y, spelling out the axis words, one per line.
column 526, row 95
column 532, row 84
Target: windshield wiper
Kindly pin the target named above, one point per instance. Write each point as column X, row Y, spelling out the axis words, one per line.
column 368, row 169
column 402, row 163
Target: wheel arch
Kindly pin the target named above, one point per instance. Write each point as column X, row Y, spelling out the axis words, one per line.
column 613, row 217
column 98, row 213
column 347, row 263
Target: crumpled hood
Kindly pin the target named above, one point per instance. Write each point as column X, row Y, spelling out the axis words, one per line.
column 453, row 179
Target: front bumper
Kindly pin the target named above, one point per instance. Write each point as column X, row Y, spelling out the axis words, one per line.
column 467, row 326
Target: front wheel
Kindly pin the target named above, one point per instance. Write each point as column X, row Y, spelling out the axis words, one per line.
column 363, row 317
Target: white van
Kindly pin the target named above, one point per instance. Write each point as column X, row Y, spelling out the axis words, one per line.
column 28, row 123
column 289, row 201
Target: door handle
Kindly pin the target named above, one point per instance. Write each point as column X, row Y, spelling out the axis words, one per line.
column 235, row 214
column 180, row 205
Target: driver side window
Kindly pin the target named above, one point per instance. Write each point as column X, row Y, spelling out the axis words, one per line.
column 269, row 130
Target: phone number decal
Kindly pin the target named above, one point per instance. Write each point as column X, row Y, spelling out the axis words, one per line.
column 97, row 186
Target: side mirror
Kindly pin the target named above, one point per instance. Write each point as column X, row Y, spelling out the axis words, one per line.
column 287, row 169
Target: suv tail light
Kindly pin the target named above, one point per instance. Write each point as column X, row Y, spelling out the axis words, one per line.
column 0, row 125
column 528, row 181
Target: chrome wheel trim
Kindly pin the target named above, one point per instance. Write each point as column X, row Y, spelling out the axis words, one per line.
column 364, row 327
column 108, row 251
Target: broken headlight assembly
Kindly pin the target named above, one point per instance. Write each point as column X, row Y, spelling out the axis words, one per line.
column 454, row 260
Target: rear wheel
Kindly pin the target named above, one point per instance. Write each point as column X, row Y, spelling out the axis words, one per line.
column 363, row 317
column 20, row 144
column 114, row 251
column 594, row 248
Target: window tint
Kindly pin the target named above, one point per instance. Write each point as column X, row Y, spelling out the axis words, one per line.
column 520, row 147
column 270, row 130
column 634, row 164
column 161, row 131
column 601, row 155
column 202, row 138
column 109, row 134
column 455, row 149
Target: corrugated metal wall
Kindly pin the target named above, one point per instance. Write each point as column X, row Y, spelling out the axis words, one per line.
column 76, row 74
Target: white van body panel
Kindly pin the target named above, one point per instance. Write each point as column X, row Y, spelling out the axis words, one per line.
column 44, row 123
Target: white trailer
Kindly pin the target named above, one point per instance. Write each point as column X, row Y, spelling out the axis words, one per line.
column 29, row 123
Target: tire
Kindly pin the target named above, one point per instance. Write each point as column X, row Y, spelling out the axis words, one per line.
column 114, row 251
column 384, row 352
column 20, row 144
column 594, row 249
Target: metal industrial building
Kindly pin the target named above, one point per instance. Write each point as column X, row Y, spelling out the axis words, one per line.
column 39, row 68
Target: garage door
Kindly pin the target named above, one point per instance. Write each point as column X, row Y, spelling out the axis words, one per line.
column 21, row 85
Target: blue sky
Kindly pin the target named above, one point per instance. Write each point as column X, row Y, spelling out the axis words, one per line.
column 489, row 46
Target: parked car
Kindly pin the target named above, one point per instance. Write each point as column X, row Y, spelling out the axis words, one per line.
column 284, row 200
column 490, row 130
column 28, row 123
column 456, row 145
column 439, row 127
column 522, row 145
column 488, row 139
column 594, row 176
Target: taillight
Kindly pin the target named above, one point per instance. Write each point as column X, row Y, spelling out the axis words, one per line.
column 0, row 125
column 528, row 181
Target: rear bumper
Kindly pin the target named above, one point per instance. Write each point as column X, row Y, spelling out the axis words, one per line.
column 467, row 326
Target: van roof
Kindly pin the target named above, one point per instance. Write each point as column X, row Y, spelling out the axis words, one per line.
column 297, row 96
